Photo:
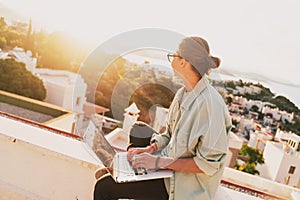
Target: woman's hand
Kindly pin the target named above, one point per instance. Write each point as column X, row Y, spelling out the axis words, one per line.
column 134, row 151
column 138, row 150
column 143, row 160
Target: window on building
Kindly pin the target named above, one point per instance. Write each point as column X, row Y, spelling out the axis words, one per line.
column 292, row 169
column 298, row 148
column 292, row 143
column 78, row 101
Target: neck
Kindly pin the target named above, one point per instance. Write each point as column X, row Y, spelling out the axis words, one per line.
column 191, row 82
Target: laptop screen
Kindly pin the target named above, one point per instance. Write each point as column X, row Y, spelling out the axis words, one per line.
column 97, row 141
column 103, row 149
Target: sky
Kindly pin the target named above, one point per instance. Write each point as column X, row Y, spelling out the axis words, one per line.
column 255, row 36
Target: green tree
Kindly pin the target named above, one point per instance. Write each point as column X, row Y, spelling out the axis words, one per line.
column 59, row 51
column 254, row 108
column 235, row 124
column 3, row 24
column 228, row 100
column 13, row 38
column 130, row 84
column 294, row 127
column 3, row 42
column 241, row 83
column 151, row 94
column 29, row 40
column 260, row 116
column 15, row 78
column 230, row 84
column 251, row 158
column 285, row 104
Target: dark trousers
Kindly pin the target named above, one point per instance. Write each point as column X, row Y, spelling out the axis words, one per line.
column 107, row 189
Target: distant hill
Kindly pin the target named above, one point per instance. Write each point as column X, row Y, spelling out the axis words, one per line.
column 259, row 77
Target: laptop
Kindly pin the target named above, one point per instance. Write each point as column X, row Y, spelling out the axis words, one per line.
column 121, row 169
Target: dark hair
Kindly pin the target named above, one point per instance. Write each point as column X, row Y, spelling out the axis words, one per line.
column 196, row 51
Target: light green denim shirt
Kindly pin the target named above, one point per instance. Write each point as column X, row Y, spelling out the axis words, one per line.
column 197, row 128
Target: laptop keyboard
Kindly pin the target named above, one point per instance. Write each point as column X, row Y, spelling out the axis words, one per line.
column 125, row 167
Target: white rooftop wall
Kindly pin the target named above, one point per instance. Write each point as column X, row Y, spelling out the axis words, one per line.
column 38, row 164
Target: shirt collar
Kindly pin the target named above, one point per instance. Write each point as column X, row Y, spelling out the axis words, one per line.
column 192, row 95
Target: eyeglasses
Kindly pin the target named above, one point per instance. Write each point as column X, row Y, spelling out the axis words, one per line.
column 172, row 56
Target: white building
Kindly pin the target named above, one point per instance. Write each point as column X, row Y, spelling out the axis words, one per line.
column 21, row 56
column 65, row 89
column 235, row 108
column 268, row 120
column 258, row 139
column 287, row 116
column 283, row 135
column 278, row 114
column 282, row 164
column 257, row 103
column 294, row 142
column 252, row 89
column 240, row 100
column 275, row 112
column 248, row 90
column 241, row 90
column 256, row 90
column 249, row 123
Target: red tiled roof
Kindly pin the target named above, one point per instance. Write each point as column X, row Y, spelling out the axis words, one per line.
column 249, row 191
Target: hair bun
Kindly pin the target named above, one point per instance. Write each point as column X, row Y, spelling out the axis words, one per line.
column 216, row 60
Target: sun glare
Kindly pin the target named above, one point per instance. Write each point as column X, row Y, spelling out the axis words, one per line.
column 58, row 15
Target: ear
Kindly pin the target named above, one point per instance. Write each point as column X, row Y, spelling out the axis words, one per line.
column 184, row 63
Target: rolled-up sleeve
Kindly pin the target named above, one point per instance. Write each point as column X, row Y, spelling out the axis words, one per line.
column 210, row 150
column 162, row 140
column 209, row 167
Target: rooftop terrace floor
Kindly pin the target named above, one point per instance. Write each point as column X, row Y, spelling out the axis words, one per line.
column 24, row 113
